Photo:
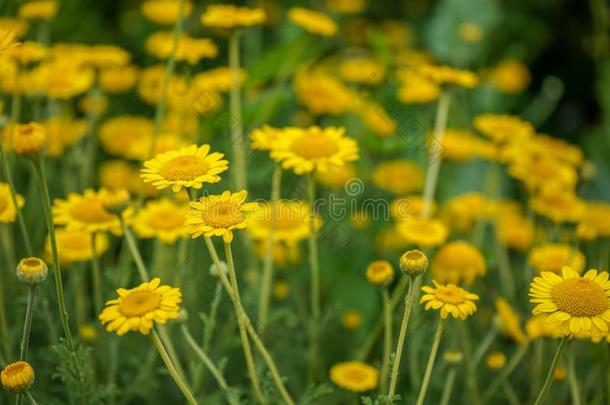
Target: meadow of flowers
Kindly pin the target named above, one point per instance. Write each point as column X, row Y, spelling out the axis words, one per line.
column 288, row 202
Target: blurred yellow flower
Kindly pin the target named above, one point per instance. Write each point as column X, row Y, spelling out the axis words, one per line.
column 27, row 52
column 219, row 215
column 63, row 133
column 461, row 145
column 558, row 205
column 17, row 26
column 503, row 128
column 346, row 6
column 470, row 32
column 553, row 256
column 380, row 272
column 415, row 87
column 537, row 327
column 377, row 119
column 515, row 231
column 364, row 70
column 495, row 360
column 423, row 232
column 162, row 219
column 281, row 290
column 63, row 80
column 218, row 79
column 115, row 174
column 119, row 133
column 229, row 16
column 405, row 208
column 30, row 140
column 188, row 167
column 313, row 21
column 450, row 300
column 462, row 212
column 458, row 262
column 337, row 177
column 190, row 50
column 118, row 79
column 8, row 212
column 538, row 171
column 140, row 308
column 595, row 221
column 509, row 76
column 283, row 254
column 509, row 321
column 76, row 245
column 38, row 10
column 398, row 176
column 322, row 93
column 445, row 75
column 7, row 38
column 352, row 320
column 305, row 150
column 85, row 212
column 355, row 376
column 165, row 12
column 288, row 221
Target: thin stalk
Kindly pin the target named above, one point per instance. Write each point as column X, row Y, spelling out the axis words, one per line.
column 97, row 278
column 387, row 341
column 314, row 264
column 27, row 327
column 510, row 393
column 31, row 398
column 449, row 382
column 549, row 377
column 182, row 385
column 237, row 141
column 471, row 372
column 3, row 324
column 503, row 376
column 59, row 288
column 267, row 279
column 428, row 373
column 242, row 324
column 505, row 270
column 209, row 364
column 135, row 252
column 485, row 343
column 434, row 159
column 573, row 378
column 401, row 337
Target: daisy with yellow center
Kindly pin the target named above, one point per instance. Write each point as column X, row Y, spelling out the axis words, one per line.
column 458, row 262
column 285, row 221
column 7, row 208
column 445, row 75
column 398, row 177
column 553, row 256
column 578, row 303
column 450, row 300
column 558, row 204
column 314, row 149
column 17, row 377
column 423, row 232
column 509, row 321
column 219, row 215
column 313, row 21
column 165, row 12
column 354, row 376
column 85, row 212
column 503, row 128
column 229, row 16
column 163, row 219
column 188, row 167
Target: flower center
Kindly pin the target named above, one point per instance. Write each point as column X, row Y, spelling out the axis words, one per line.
column 166, row 220
column 580, row 297
column 15, row 369
column 32, row 262
column 139, row 303
column 414, row 255
column 90, row 210
column 223, row 215
column 355, row 375
column 314, row 146
column 184, row 168
column 3, row 203
column 450, row 295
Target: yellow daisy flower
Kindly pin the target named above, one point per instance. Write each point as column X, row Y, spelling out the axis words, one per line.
column 191, row 50
column 322, row 93
column 509, row 76
column 553, row 256
column 577, row 303
column 503, row 128
column 313, row 21
column 187, row 167
column 355, row 376
column 163, row 219
column 7, row 208
column 415, row 87
column 76, row 245
column 85, row 212
column 458, row 262
column 380, row 272
column 165, row 12
column 412, row 206
column 314, row 149
column 595, row 221
column 450, row 300
column 229, row 16
column 138, row 309
column 38, row 9
column 219, row 215
column 398, row 177
column 441, row 74
column 558, row 205
column 509, row 321
column 423, row 232
column 17, row 377
column 338, row 176
column 537, row 327
column 288, row 221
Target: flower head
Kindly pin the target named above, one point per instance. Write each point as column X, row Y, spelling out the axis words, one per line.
column 553, row 256
column 188, row 167
column 495, row 360
column 398, row 177
column 380, row 272
column 445, row 75
column 6, row 40
column 509, row 76
column 287, row 221
column 229, row 16
column 17, row 377
column 8, row 211
column 458, row 262
column 38, row 9
column 580, row 304
column 165, row 12
column 354, row 376
column 85, row 212
column 509, row 321
column 503, row 128
column 219, row 215
column 163, row 219
column 139, row 308
column 76, row 245
column 413, row 263
column 423, row 232
column 30, row 140
column 450, row 300
column 32, row 271
column 305, row 150
column 313, row 21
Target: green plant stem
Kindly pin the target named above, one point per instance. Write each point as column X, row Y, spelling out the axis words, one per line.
column 434, row 158
column 31, row 398
column 182, row 385
column 549, row 377
column 413, row 286
column 209, row 364
column 267, row 279
column 3, row 324
column 449, row 382
column 573, row 378
column 471, row 372
column 13, row 193
column 242, row 324
column 505, row 270
column 97, row 278
column 59, row 289
column 314, row 265
column 485, row 343
column 237, row 141
column 514, row 361
column 135, row 252
column 510, row 393
column 27, row 327
column 435, row 345
column 387, row 341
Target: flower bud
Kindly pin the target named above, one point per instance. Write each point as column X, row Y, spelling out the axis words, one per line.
column 380, row 273
column 30, row 140
column 114, row 201
column 413, row 263
column 453, row 356
column 32, row 271
column 17, row 377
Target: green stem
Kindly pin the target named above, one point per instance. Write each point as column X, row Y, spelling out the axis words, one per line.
column 59, row 288
column 510, row 393
column 31, row 398
column 97, row 278
column 314, row 264
column 471, row 375
column 505, row 270
column 448, row 386
column 401, row 337
column 267, row 279
column 431, row 360
column 506, row 372
column 549, row 377
column 209, row 364
column 241, row 320
column 3, row 324
column 182, row 385
column 387, row 342
column 237, row 141
column 27, row 327
column 572, row 377
column 484, row 345
column 434, row 159
column 135, row 252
